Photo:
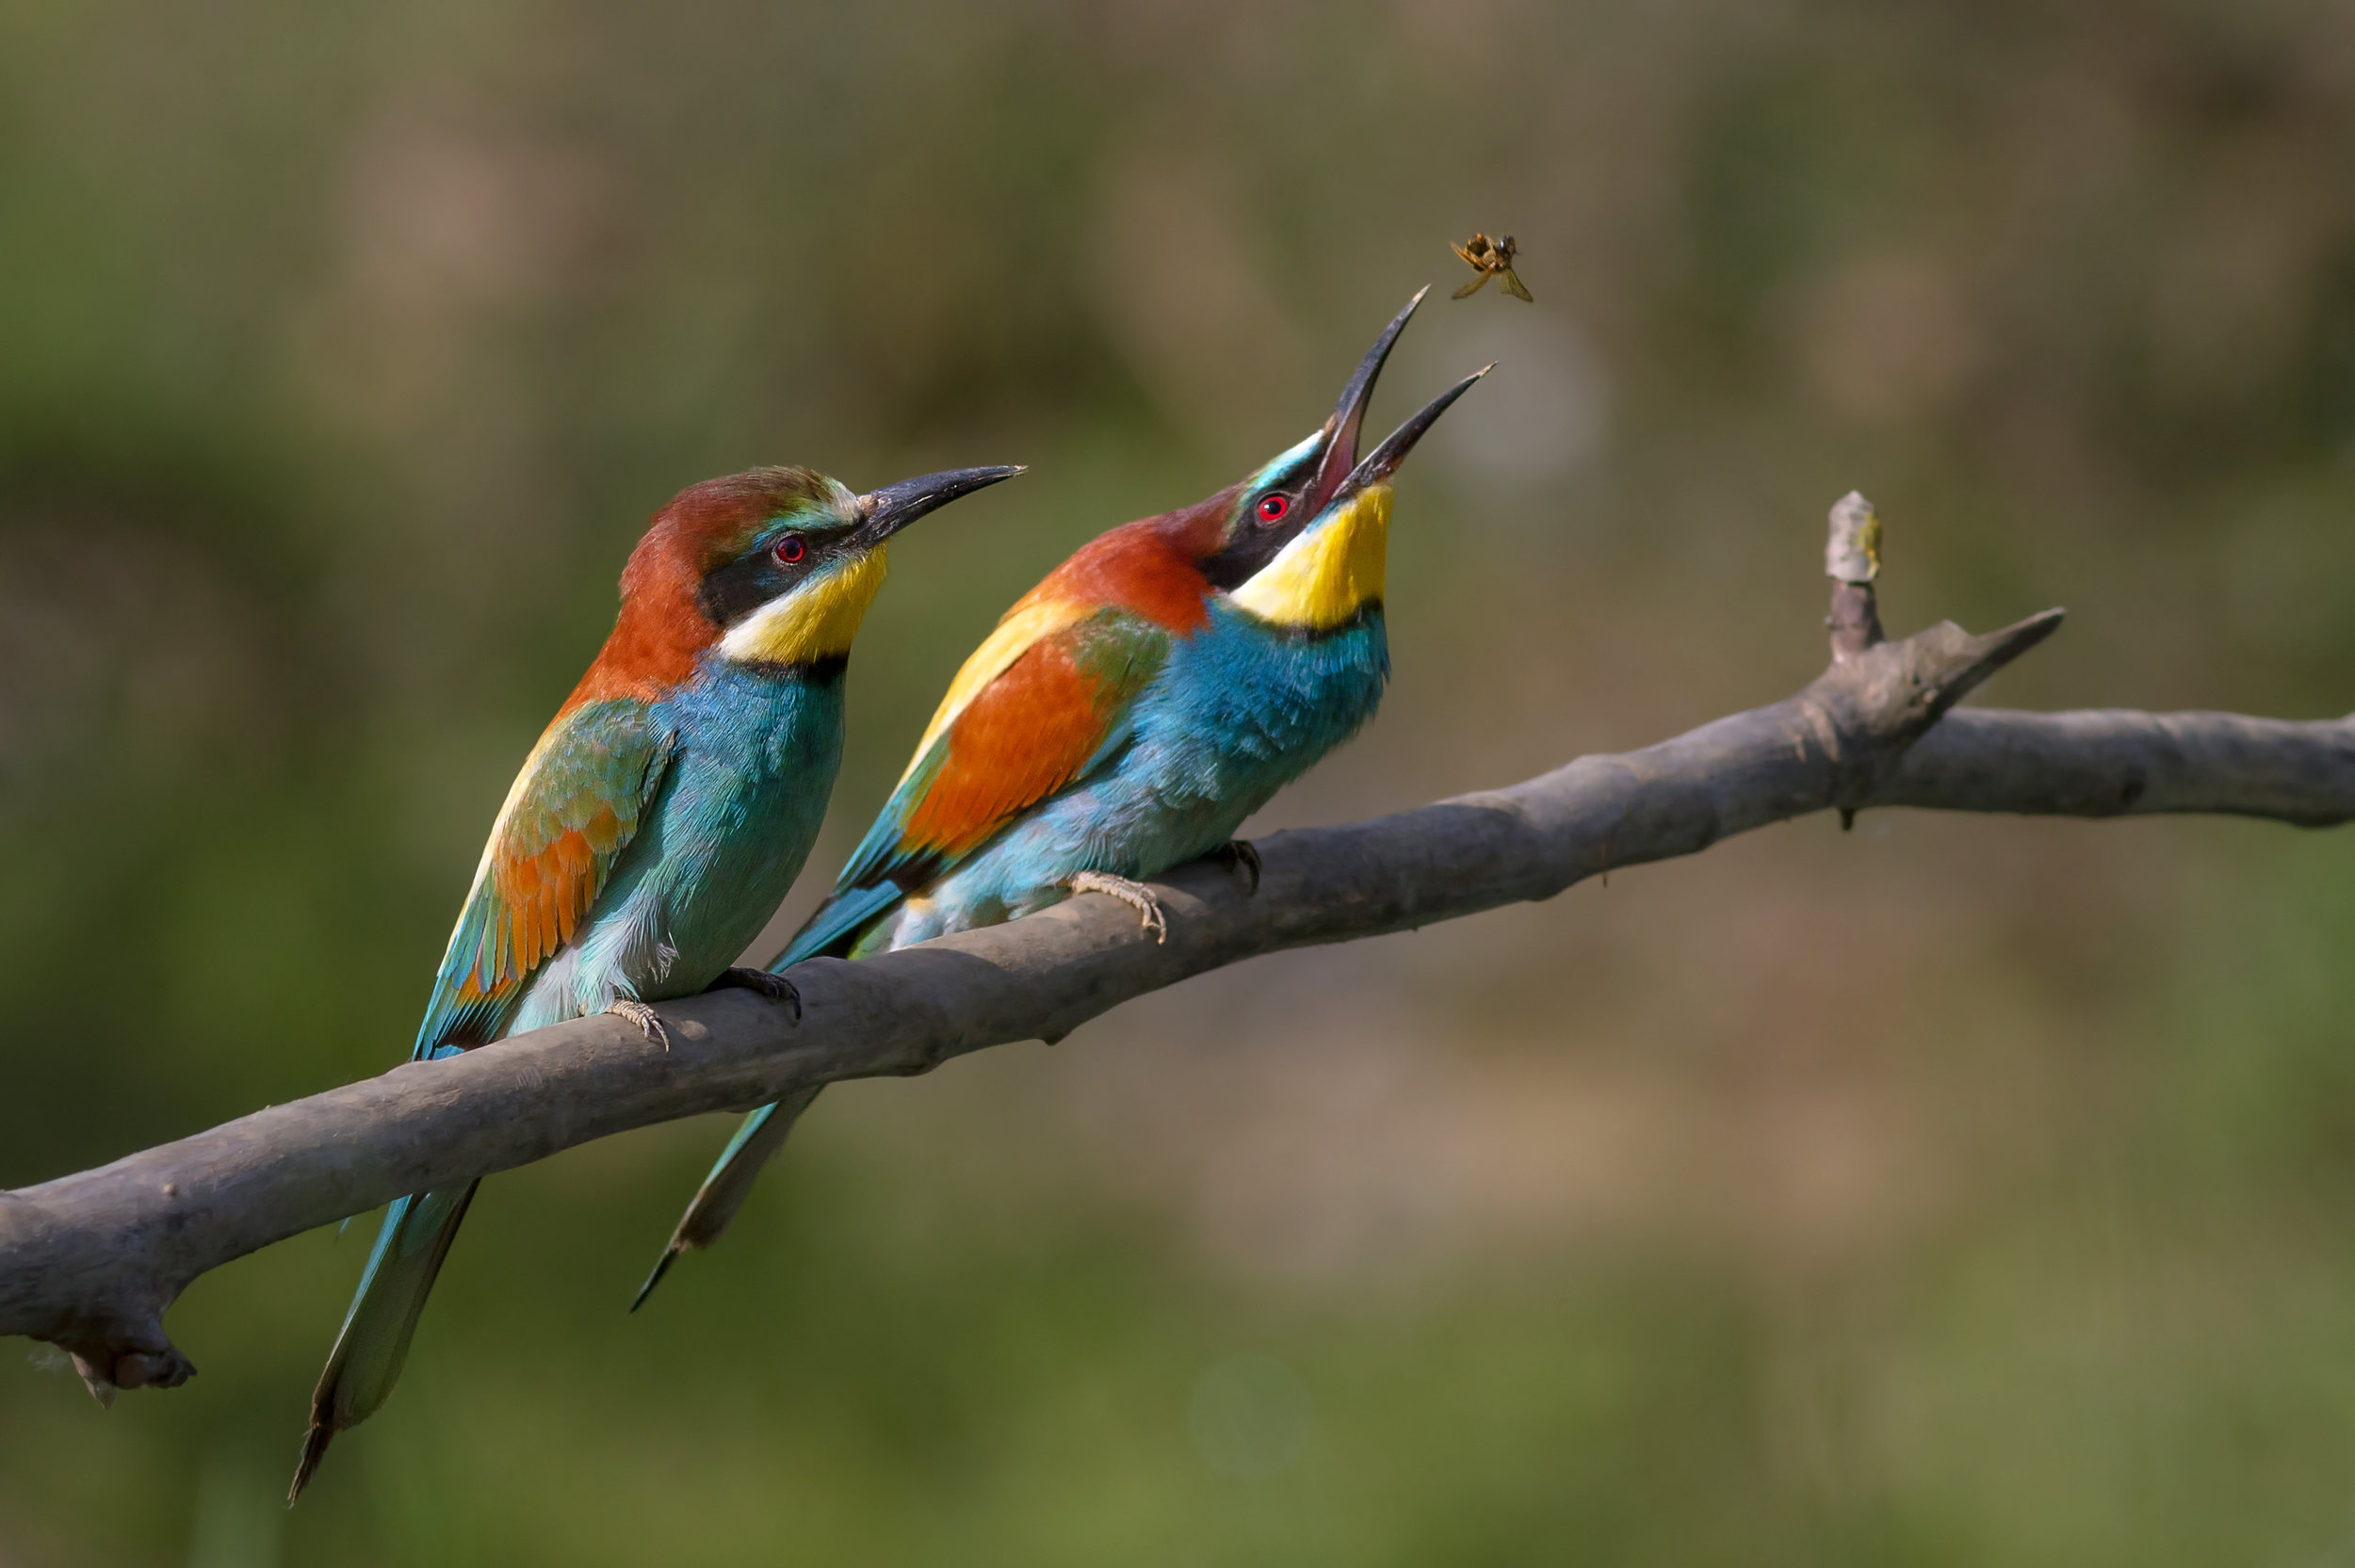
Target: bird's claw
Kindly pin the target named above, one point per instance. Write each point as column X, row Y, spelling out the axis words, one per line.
column 761, row 983
column 1135, row 894
column 649, row 1021
column 1240, row 854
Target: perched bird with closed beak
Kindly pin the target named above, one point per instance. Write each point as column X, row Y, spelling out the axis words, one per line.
column 656, row 825
column 1126, row 716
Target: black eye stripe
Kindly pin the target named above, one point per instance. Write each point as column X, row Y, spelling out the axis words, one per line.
column 1254, row 545
column 729, row 593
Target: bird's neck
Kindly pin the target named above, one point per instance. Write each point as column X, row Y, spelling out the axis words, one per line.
column 655, row 643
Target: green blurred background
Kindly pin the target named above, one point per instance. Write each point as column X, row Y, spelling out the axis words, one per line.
column 1952, row 1192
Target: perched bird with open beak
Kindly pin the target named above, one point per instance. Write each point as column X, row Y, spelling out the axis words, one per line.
column 1126, row 715
column 656, row 825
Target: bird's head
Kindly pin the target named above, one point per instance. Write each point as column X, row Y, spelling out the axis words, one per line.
column 774, row 566
column 1302, row 542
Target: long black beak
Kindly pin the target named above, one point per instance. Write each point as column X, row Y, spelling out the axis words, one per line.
column 1349, row 414
column 1384, row 460
column 885, row 511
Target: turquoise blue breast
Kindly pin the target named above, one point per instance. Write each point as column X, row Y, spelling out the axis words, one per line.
column 758, row 756
column 1244, row 708
column 739, row 810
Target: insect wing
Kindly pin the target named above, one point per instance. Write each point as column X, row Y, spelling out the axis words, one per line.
column 1512, row 284
column 1474, row 287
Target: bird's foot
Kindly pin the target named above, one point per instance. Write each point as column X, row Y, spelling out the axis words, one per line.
column 649, row 1021
column 1240, row 854
column 774, row 988
column 1135, row 894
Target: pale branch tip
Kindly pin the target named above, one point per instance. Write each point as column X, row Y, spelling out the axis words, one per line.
column 1852, row 558
column 1852, row 554
column 90, row 1262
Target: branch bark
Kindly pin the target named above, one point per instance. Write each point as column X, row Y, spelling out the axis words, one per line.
column 91, row 1261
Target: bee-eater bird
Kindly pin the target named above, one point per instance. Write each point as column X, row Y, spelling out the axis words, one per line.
column 1126, row 715
column 656, row 825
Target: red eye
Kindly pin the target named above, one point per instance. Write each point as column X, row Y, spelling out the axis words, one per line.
column 790, row 549
column 1273, row 507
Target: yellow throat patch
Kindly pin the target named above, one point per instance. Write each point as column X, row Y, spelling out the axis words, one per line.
column 815, row 621
column 1322, row 578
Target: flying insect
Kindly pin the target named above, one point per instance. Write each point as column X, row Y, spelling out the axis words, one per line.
column 1490, row 258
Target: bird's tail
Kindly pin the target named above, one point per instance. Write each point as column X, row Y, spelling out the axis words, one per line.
column 365, row 1362
column 835, row 929
column 839, row 925
column 730, row 1183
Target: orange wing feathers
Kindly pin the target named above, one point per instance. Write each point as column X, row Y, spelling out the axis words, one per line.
column 1029, row 731
column 573, row 809
column 1022, row 738
column 547, row 893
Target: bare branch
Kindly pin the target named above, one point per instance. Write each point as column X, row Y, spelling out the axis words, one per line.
column 91, row 1261
column 2117, row 762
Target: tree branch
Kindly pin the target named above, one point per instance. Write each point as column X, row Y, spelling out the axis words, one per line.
column 91, row 1261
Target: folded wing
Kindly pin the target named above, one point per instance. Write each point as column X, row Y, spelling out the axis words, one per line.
column 1054, row 709
column 579, row 799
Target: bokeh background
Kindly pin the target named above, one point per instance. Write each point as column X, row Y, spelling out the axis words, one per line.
column 1950, row 1192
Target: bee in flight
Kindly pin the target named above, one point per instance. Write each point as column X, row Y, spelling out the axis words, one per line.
column 1490, row 258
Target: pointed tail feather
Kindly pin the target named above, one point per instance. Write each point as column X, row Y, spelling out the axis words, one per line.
column 834, row 928
column 837, row 924
column 365, row 1362
column 730, row 1183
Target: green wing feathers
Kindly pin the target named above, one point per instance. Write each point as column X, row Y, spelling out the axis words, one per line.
column 573, row 809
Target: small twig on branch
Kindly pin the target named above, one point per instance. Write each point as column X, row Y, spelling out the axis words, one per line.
column 90, row 1262
column 1852, row 558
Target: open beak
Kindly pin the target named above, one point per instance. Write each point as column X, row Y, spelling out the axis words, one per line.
column 885, row 511
column 1384, row 460
column 1349, row 414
